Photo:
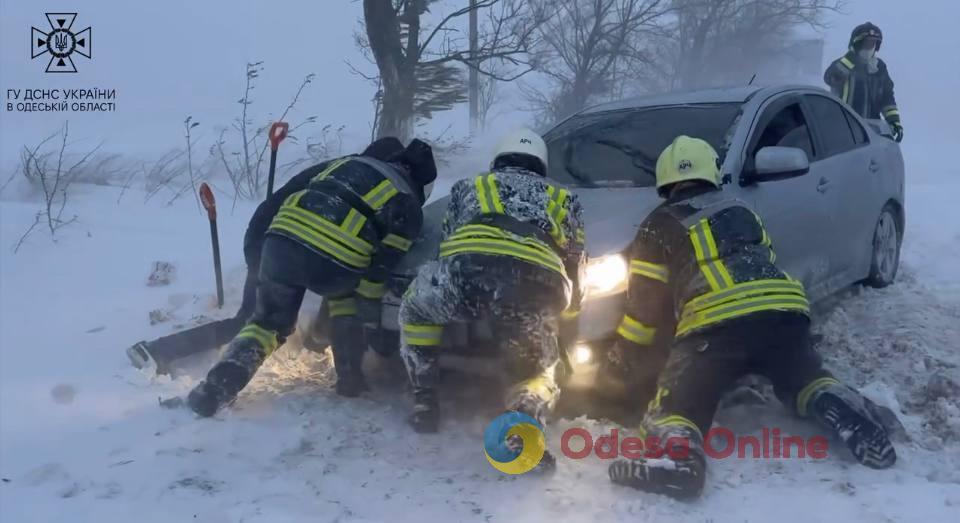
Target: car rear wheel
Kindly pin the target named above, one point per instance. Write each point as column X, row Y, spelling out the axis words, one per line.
column 885, row 256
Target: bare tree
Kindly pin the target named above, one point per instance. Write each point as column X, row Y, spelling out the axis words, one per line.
column 13, row 176
column 717, row 40
column 188, row 126
column 329, row 144
column 374, row 80
column 163, row 171
column 51, row 171
column 418, row 63
column 102, row 169
column 489, row 95
column 127, row 182
column 587, row 45
column 245, row 167
column 446, row 147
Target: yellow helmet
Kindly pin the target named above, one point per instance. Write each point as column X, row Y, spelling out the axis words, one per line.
column 687, row 159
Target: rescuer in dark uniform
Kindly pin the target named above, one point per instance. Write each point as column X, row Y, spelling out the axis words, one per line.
column 862, row 80
column 164, row 350
column 337, row 229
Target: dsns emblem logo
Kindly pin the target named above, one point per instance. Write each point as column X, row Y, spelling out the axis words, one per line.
column 61, row 42
column 508, row 460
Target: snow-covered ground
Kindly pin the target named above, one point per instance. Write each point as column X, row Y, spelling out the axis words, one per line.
column 82, row 437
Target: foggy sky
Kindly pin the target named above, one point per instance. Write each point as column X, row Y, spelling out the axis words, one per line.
column 176, row 58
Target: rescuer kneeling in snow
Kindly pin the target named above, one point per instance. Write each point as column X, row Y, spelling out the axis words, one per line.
column 708, row 259
column 512, row 251
column 339, row 231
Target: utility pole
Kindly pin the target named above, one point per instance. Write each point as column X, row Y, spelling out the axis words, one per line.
column 474, row 77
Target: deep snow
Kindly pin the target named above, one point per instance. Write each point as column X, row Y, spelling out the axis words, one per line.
column 82, row 437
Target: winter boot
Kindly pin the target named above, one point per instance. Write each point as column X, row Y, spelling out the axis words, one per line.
column 224, row 381
column 351, row 385
column 228, row 377
column 853, row 418
column 347, row 361
column 680, row 473
column 425, row 418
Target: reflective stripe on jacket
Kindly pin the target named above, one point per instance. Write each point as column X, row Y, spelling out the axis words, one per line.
column 360, row 212
column 518, row 214
column 869, row 94
column 707, row 259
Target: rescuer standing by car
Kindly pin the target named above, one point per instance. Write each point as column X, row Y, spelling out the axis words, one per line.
column 512, row 249
column 862, row 80
column 337, row 229
column 704, row 263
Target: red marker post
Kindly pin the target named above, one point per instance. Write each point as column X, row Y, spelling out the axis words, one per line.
column 210, row 204
column 278, row 131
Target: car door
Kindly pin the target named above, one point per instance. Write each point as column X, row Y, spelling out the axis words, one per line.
column 845, row 164
column 797, row 212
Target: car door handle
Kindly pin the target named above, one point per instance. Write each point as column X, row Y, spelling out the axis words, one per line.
column 874, row 166
column 823, row 185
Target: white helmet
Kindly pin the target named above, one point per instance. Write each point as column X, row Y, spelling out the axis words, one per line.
column 522, row 141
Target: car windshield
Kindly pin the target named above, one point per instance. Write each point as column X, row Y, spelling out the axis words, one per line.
column 620, row 148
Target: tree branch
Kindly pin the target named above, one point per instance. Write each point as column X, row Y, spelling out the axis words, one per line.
column 480, row 4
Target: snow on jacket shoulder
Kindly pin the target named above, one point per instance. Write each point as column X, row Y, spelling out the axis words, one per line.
column 524, row 196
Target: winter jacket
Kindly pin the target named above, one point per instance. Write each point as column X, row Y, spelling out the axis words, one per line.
column 359, row 212
column 869, row 94
column 698, row 260
column 517, row 213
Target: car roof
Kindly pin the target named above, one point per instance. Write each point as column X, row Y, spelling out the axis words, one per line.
column 737, row 94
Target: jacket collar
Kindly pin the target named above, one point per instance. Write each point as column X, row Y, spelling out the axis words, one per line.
column 690, row 192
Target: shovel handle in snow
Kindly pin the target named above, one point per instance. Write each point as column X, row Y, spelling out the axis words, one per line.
column 278, row 131
column 210, row 204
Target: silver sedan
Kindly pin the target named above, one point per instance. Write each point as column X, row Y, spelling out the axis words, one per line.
column 828, row 185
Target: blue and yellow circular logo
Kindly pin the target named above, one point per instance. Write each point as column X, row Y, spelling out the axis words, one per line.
column 502, row 457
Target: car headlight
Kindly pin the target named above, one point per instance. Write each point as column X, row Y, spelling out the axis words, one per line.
column 605, row 276
column 582, row 354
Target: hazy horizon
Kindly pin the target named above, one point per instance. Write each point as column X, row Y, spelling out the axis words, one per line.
column 180, row 58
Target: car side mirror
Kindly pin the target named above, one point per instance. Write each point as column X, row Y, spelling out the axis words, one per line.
column 777, row 163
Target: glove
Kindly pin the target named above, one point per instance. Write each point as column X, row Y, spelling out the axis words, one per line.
column 898, row 132
column 368, row 311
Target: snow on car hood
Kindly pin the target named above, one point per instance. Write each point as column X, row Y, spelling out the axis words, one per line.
column 612, row 216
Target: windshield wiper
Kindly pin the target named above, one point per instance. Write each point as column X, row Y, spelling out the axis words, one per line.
column 646, row 163
column 611, row 184
column 574, row 172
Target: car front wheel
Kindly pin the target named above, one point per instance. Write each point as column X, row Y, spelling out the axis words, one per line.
column 885, row 258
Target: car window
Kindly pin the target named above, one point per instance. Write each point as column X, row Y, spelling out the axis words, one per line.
column 787, row 128
column 832, row 124
column 620, row 148
column 859, row 133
